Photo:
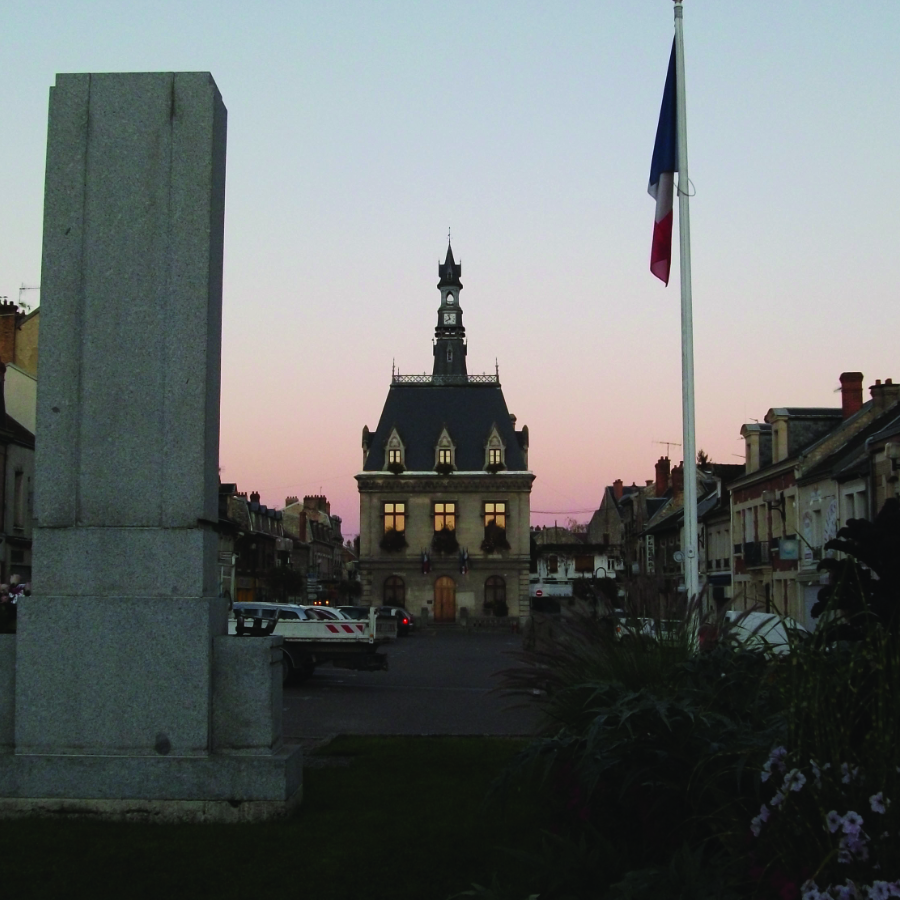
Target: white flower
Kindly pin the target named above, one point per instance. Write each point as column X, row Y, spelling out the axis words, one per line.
column 880, row 890
column 776, row 760
column 852, row 822
column 879, row 804
column 809, row 891
column 848, row 773
column 794, row 780
column 834, row 821
column 756, row 825
column 777, row 799
column 764, row 813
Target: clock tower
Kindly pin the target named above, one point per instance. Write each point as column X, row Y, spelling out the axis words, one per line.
column 449, row 335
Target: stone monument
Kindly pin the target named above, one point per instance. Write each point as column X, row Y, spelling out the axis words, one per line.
column 122, row 694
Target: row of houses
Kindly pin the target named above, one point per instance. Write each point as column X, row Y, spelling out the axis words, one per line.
column 763, row 526
column 295, row 554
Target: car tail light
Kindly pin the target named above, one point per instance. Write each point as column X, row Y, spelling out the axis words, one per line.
column 406, row 621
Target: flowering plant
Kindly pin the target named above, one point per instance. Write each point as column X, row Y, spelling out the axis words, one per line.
column 832, row 824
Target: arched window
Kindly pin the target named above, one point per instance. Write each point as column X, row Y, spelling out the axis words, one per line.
column 495, row 596
column 394, row 591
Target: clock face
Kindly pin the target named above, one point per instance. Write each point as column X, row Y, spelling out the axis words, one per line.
column 449, row 318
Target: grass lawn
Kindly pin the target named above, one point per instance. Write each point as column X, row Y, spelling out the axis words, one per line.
column 405, row 819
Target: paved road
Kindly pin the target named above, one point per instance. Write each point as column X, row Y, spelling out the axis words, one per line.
column 437, row 684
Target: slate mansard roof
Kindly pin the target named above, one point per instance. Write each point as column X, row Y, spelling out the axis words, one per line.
column 469, row 412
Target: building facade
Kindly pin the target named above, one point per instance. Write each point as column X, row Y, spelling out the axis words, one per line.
column 445, row 487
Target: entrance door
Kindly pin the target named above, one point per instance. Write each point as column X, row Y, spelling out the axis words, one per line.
column 444, row 599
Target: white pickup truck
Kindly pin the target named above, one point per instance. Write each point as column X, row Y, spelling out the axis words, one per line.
column 311, row 639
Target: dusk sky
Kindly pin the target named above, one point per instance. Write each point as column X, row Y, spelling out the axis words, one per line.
column 359, row 132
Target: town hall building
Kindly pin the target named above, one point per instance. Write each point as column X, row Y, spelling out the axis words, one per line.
column 445, row 487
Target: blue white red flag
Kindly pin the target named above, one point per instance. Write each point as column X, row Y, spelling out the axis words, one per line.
column 662, row 178
column 426, row 563
column 463, row 562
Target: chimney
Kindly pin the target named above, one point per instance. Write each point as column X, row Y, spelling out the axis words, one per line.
column 254, row 497
column 678, row 479
column 884, row 395
column 617, row 489
column 9, row 318
column 851, row 392
column 662, row 475
column 288, row 501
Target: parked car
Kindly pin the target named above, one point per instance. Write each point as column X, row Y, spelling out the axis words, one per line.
column 355, row 612
column 284, row 611
column 325, row 612
column 758, row 630
column 405, row 620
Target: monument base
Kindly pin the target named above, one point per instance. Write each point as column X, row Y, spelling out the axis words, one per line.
column 163, row 812
column 219, row 788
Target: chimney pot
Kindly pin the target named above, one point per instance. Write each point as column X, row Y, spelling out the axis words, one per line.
column 617, row 489
column 851, row 393
column 884, row 395
column 662, row 475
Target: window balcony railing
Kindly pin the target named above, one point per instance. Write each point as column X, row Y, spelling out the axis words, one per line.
column 756, row 553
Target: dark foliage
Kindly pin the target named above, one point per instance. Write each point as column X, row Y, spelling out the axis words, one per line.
column 393, row 541
column 444, row 541
column 396, row 468
column 444, row 468
column 867, row 581
column 494, row 538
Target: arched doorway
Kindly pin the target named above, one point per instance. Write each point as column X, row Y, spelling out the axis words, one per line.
column 445, row 599
column 394, row 593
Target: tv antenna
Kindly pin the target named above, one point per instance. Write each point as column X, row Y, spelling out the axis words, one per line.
column 668, row 444
column 22, row 290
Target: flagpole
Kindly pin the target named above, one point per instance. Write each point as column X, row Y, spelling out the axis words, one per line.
column 690, row 548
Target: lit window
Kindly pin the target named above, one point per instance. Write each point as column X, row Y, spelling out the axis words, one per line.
column 495, row 512
column 395, row 517
column 445, row 457
column 394, row 456
column 495, row 457
column 445, row 516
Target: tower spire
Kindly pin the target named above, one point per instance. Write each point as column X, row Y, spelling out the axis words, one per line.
column 449, row 335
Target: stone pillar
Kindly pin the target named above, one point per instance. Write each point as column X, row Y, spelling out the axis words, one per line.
column 116, row 696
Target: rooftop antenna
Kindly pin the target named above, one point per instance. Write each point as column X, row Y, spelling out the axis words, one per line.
column 22, row 290
column 668, row 444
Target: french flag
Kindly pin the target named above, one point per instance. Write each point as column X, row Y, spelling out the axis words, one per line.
column 662, row 178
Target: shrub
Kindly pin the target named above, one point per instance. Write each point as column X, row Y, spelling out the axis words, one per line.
column 393, row 541
column 444, row 541
column 494, row 538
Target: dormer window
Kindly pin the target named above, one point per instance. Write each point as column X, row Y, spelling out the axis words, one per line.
column 494, row 452
column 444, row 454
column 394, row 454
column 450, row 299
